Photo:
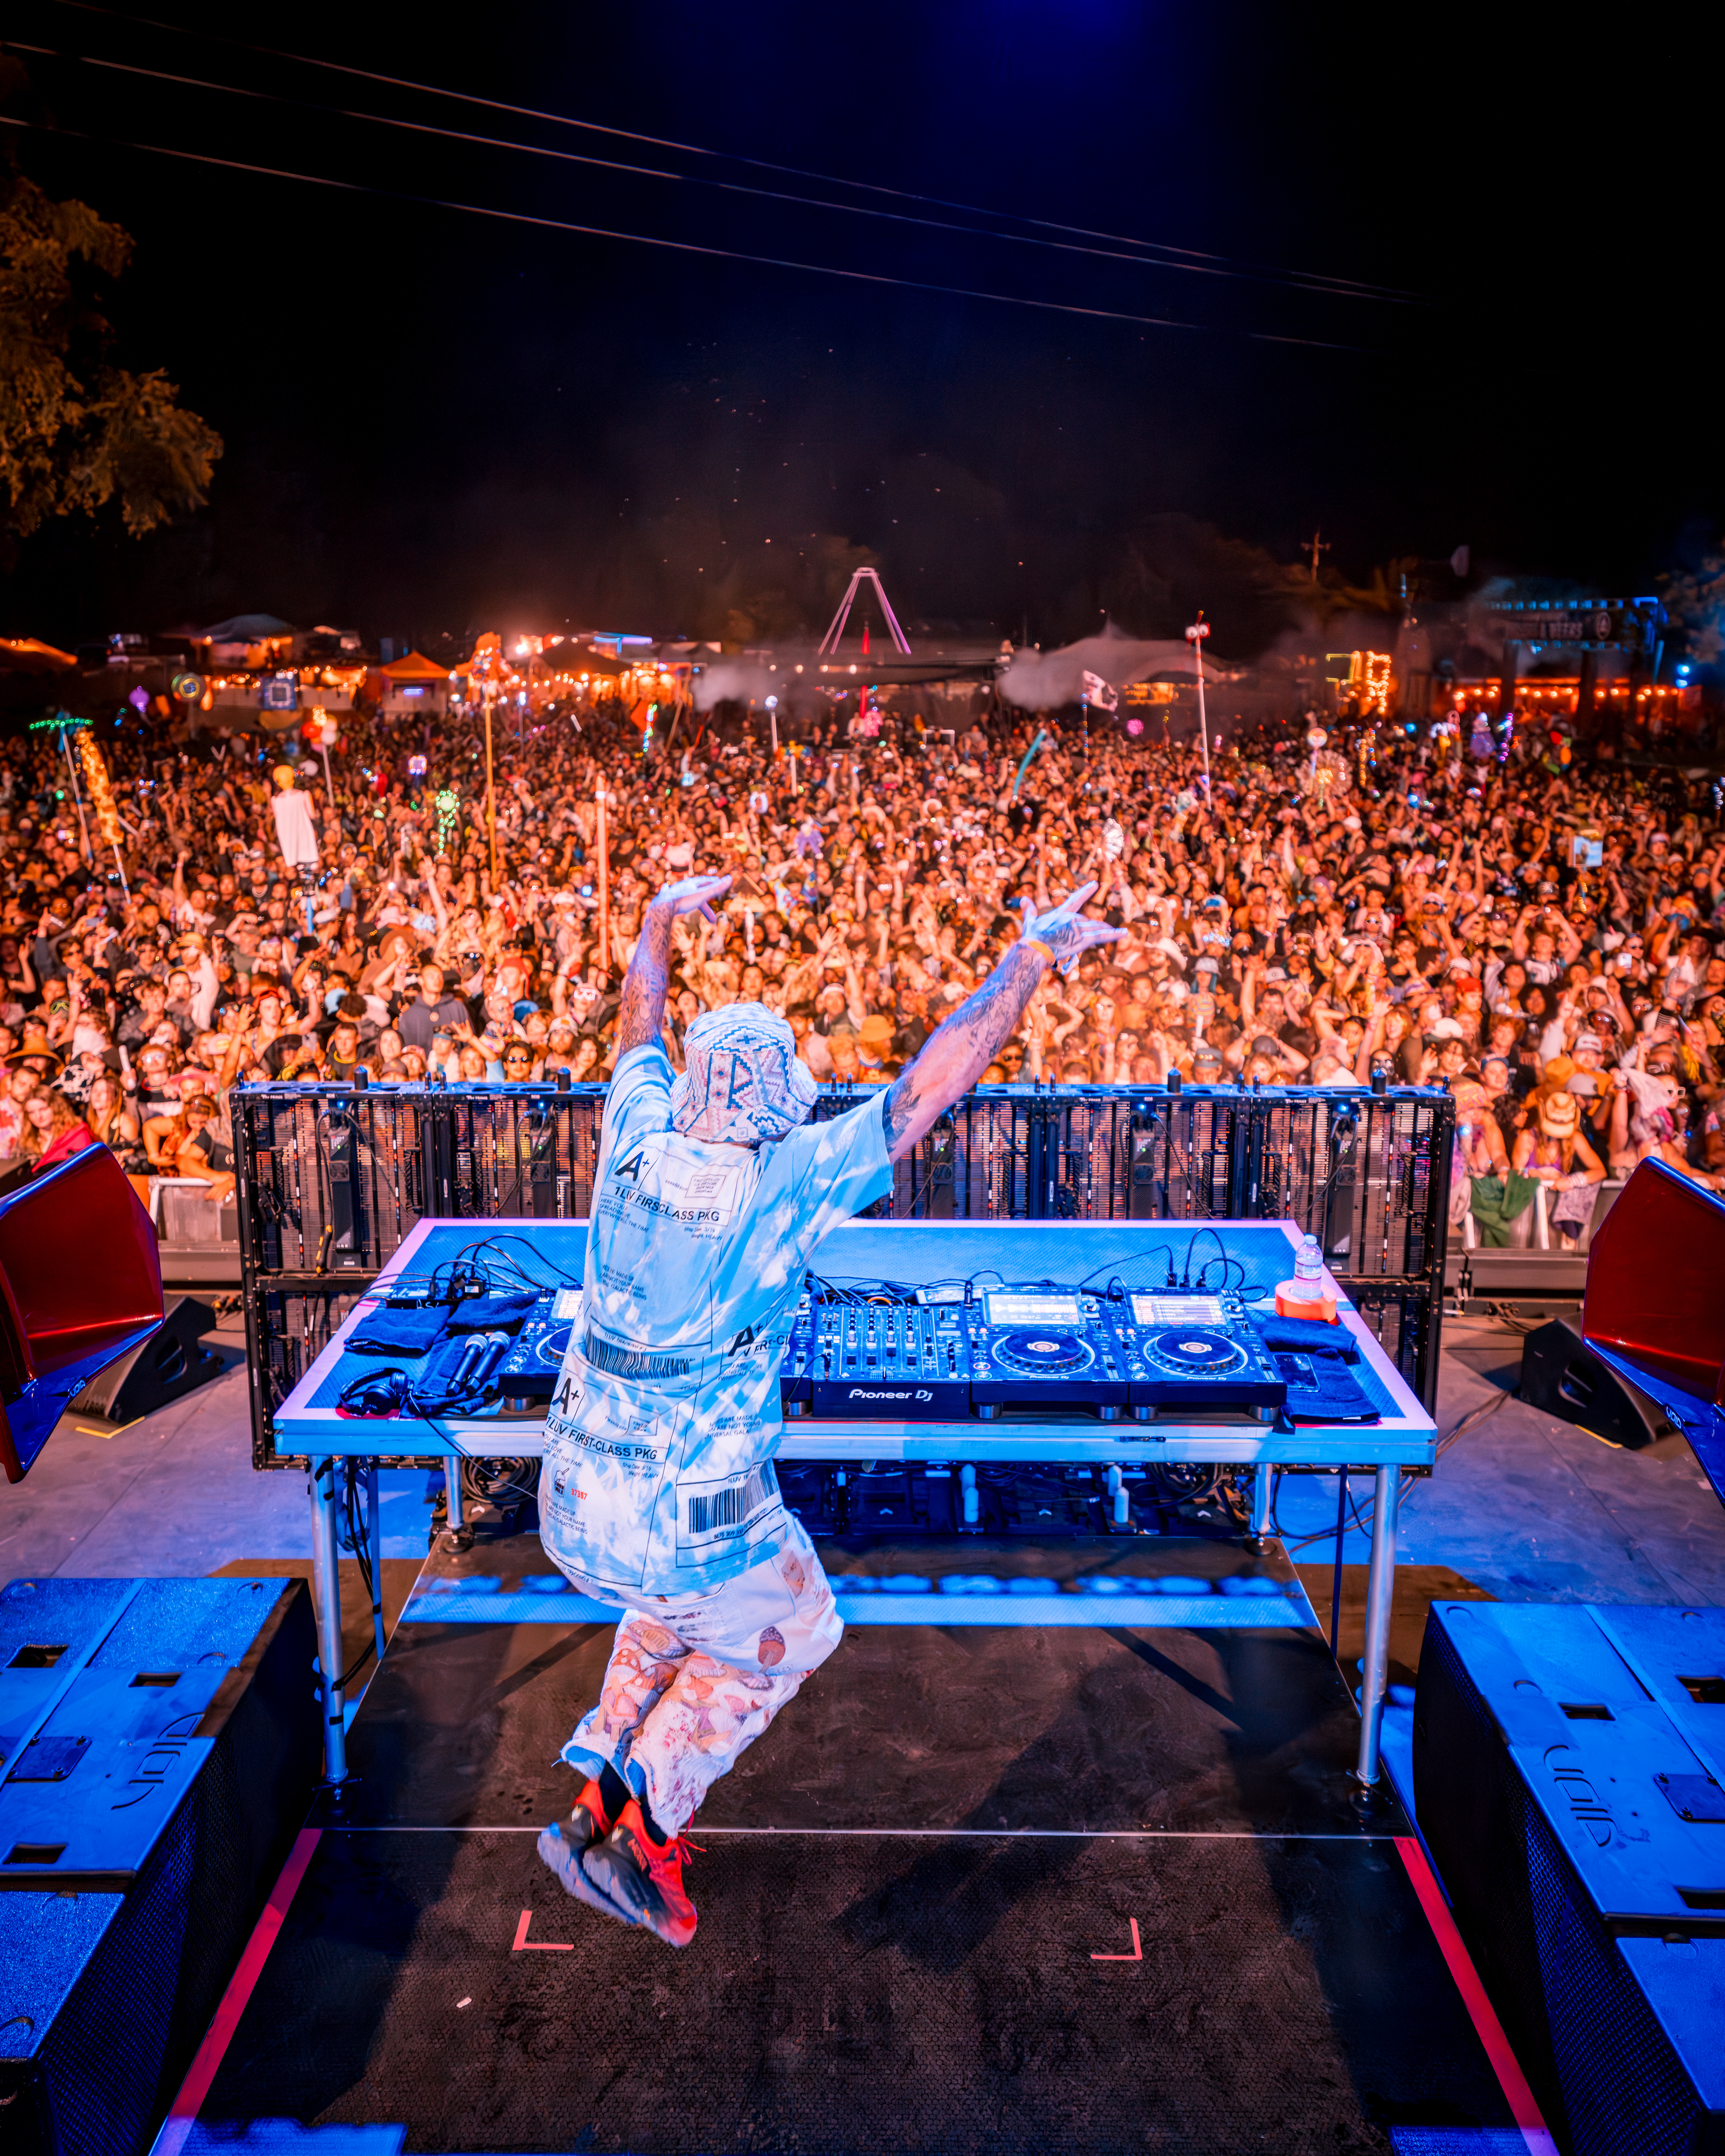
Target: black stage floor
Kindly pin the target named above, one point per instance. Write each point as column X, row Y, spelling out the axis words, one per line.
column 976, row 1889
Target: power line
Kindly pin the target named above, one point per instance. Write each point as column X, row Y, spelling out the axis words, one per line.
column 607, row 232
column 679, row 179
column 1311, row 279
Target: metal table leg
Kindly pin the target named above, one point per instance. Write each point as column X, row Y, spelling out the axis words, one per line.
column 452, row 1488
column 1263, row 1499
column 374, row 1544
column 326, row 1592
column 1380, row 1590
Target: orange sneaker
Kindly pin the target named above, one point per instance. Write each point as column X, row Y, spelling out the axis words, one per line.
column 589, row 1822
column 561, row 1847
column 641, row 1881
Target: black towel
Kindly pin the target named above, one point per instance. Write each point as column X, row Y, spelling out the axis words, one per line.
column 1323, row 1389
column 413, row 1330
column 492, row 1314
column 1306, row 1336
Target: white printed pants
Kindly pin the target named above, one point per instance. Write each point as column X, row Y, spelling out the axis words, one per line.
column 694, row 1679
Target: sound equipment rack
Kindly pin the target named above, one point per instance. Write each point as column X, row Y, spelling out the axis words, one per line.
column 333, row 1177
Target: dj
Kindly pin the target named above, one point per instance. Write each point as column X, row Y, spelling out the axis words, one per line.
column 657, row 1489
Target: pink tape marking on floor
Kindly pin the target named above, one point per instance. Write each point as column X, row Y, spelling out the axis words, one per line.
column 1523, row 2105
column 523, row 1944
column 182, row 2113
column 1137, row 1954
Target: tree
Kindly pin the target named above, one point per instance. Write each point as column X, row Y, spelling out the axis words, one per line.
column 76, row 432
column 1172, row 564
column 1331, row 595
column 1695, row 599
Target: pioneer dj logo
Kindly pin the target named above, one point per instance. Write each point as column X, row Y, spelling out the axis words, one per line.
column 856, row 1393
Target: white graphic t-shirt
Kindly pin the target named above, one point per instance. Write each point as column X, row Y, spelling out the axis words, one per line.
column 658, row 1471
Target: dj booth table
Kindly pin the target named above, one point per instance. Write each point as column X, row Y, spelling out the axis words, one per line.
column 309, row 1422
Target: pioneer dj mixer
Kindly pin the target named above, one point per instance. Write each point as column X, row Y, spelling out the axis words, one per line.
column 891, row 1361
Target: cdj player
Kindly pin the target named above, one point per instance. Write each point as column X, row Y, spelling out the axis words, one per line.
column 1194, row 1351
column 1039, row 1348
column 527, row 1371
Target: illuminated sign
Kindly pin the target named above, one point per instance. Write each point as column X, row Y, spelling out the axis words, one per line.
column 1583, row 625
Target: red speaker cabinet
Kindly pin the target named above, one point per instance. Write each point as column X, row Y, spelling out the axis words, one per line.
column 80, row 1282
column 1656, row 1303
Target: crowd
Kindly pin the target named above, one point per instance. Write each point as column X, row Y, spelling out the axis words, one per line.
column 1548, row 945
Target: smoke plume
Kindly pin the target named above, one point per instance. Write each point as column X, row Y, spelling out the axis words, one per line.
column 733, row 681
column 1043, row 680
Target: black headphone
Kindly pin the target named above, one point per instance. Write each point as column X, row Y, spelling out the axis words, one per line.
column 375, row 1394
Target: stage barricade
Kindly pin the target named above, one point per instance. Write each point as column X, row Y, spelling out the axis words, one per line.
column 331, row 1178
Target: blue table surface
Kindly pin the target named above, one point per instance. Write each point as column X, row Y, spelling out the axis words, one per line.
column 917, row 1253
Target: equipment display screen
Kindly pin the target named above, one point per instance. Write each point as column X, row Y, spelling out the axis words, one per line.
column 1034, row 1310
column 1176, row 1310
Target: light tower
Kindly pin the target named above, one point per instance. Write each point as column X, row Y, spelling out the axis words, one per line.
column 829, row 642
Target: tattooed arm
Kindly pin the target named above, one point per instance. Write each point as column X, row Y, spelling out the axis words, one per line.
column 642, row 1011
column 956, row 1054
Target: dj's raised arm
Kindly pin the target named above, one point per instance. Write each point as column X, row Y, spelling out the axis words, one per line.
column 957, row 1055
column 642, row 1011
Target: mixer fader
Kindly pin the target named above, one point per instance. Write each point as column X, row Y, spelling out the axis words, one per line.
column 903, row 1361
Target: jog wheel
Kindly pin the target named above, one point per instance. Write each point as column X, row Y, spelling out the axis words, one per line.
column 1193, row 1350
column 1042, row 1354
column 552, row 1346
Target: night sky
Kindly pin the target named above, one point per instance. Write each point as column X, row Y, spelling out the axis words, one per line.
column 438, row 421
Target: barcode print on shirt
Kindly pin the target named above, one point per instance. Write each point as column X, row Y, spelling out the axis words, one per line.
column 629, row 1362
column 726, row 1508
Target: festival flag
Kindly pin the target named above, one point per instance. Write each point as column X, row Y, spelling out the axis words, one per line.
column 102, row 794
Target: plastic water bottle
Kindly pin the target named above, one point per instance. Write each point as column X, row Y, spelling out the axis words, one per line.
column 1308, row 1283
column 1305, row 1295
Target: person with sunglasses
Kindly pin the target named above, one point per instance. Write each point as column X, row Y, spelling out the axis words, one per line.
column 519, row 1064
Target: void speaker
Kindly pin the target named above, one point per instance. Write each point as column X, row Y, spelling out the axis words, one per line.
column 1562, row 1767
column 171, row 1361
column 1563, row 1375
column 162, row 1739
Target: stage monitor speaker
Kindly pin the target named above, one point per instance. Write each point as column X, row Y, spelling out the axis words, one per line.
column 1565, row 1377
column 171, row 1361
column 1653, row 1275
column 162, row 1745
column 1654, row 1309
column 80, row 1282
column 1563, row 1781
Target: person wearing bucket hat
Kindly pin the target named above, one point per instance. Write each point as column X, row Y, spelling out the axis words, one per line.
column 712, row 1194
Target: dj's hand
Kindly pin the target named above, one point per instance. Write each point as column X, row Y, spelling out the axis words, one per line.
column 1066, row 931
column 694, row 895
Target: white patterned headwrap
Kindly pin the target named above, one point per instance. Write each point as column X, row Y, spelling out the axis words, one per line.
column 745, row 1083
column 1655, row 1114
